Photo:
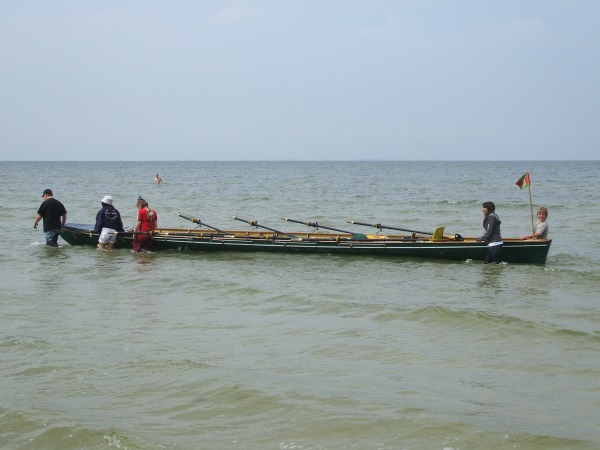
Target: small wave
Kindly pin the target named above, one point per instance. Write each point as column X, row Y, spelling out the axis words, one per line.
column 567, row 262
column 24, row 342
column 485, row 322
column 31, row 431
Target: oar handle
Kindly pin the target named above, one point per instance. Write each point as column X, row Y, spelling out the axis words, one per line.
column 376, row 225
column 249, row 222
column 308, row 224
column 316, row 225
column 199, row 222
column 381, row 227
column 191, row 219
column 254, row 223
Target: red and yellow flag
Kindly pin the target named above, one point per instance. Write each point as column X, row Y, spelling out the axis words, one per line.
column 524, row 181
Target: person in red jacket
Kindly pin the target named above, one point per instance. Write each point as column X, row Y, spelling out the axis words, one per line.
column 144, row 227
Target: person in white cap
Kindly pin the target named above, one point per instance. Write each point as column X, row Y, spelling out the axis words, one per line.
column 108, row 224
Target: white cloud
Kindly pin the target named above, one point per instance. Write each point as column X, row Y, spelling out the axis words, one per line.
column 239, row 11
column 391, row 28
column 519, row 30
column 528, row 26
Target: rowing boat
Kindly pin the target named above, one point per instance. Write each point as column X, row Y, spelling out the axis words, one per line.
column 434, row 245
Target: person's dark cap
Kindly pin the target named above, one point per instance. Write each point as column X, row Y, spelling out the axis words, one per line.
column 47, row 192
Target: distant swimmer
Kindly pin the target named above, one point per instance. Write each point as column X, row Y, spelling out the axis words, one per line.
column 158, row 179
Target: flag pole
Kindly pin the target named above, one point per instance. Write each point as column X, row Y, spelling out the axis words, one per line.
column 531, row 203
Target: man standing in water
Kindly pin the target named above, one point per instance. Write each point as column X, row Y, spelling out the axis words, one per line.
column 55, row 216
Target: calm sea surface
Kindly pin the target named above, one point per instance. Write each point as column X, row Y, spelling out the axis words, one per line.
column 274, row 351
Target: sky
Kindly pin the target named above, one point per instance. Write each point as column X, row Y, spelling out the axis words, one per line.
column 245, row 80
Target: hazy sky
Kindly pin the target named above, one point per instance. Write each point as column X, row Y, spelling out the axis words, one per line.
column 299, row 80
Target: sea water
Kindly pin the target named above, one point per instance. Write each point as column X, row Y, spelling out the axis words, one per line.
column 283, row 351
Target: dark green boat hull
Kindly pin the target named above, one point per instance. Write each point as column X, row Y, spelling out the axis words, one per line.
column 514, row 250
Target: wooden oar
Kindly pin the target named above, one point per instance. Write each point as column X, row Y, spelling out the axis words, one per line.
column 437, row 234
column 254, row 223
column 199, row 222
column 381, row 227
column 316, row 225
column 132, row 233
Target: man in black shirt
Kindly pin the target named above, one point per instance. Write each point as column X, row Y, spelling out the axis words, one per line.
column 54, row 214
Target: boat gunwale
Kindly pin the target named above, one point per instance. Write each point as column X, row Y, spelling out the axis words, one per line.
column 533, row 251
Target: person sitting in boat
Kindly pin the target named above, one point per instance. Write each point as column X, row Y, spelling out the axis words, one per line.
column 108, row 224
column 541, row 228
column 491, row 236
column 147, row 219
